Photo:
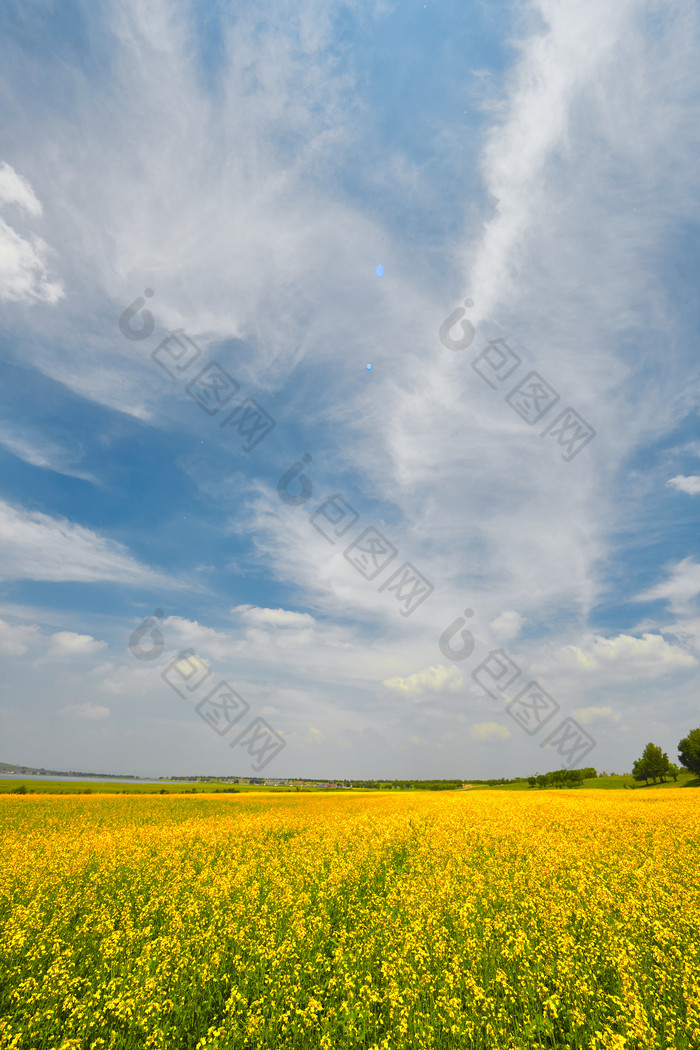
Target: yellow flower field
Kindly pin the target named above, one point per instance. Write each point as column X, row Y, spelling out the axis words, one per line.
column 475, row 919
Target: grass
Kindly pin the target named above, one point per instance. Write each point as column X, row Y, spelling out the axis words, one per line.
column 609, row 783
column 627, row 780
column 89, row 787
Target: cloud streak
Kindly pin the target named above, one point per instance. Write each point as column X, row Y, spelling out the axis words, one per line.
column 24, row 273
column 36, row 546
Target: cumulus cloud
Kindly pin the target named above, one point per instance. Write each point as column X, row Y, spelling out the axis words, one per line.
column 181, row 633
column 64, row 643
column 589, row 715
column 689, row 484
column 88, row 710
column 23, row 261
column 626, row 657
column 489, row 731
column 687, row 630
column 16, row 639
column 286, row 639
column 135, row 680
column 273, row 617
column 314, row 652
column 225, row 645
column 507, row 626
column 439, row 679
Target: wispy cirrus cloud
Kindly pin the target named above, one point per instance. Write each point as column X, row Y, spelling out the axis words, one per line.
column 680, row 589
column 30, row 446
column 255, row 194
column 556, row 67
column 24, row 274
column 36, row 546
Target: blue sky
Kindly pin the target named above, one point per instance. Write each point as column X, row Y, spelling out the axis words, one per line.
column 252, row 166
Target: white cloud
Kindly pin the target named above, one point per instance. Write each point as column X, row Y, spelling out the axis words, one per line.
column 680, row 589
column 439, row 679
column 15, row 640
column 595, row 123
column 65, row 643
column 689, row 484
column 273, row 617
column 130, row 680
column 15, row 189
column 88, row 710
column 272, row 274
column 313, row 652
column 489, row 731
column 101, row 669
column 556, row 65
column 180, row 634
column 589, row 715
column 35, row 546
column 39, row 452
column 23, row 262
column 687, row 629
column 285, row 639
column 507, row 626
column 624, row 657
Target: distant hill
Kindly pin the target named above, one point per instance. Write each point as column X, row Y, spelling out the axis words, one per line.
column 7, row 767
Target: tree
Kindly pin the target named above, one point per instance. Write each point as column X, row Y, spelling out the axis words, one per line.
column 639, row 771
column 653, row 763
column 689, row 751
column 673, row 771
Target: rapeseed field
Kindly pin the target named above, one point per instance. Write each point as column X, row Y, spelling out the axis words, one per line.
column 474, row 919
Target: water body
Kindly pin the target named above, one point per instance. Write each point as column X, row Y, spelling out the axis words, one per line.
column 99, row 780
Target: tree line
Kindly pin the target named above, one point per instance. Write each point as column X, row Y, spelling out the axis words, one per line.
column 562, row 778
column 653, row 765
